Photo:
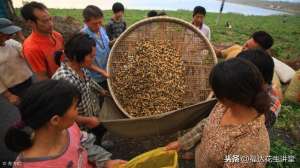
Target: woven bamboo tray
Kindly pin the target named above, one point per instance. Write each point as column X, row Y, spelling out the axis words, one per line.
column 197, row 54
column 118, row 123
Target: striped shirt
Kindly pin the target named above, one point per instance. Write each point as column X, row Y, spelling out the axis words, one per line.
column 88, row 105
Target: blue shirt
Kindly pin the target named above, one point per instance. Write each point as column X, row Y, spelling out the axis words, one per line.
column 102, row 51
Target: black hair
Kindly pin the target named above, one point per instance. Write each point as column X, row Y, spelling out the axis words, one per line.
column 162, row 13
column 262, row 60
column 27, row 11
column 264, row 39
column 76, row 48
column 118, row 7
column 199, row 10
column 241, row 82
column 41, row 102
column 152, row 13
column 92, row 11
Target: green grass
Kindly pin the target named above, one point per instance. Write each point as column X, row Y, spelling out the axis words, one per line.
column 284, row 29
column 279, row 148
column 282, row 141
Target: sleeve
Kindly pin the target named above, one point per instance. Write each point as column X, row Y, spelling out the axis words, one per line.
column 15, row 44
column 36, row 59
column 191, row 138
column 96, row 87
column 96, row 154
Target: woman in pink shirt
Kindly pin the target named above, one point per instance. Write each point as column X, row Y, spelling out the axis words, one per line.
column 48, row 137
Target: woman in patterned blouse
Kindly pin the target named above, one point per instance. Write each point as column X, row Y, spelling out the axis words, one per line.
column 234, row 134
column 80, row 51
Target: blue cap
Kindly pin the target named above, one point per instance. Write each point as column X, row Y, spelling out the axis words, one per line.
column 7, row 27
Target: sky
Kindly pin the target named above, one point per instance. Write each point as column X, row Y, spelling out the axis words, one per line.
column 210, row 5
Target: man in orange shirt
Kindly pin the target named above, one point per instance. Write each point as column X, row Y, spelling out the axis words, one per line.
column 40, row 46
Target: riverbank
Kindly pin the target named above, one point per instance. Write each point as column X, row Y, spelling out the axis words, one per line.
column 289, row 7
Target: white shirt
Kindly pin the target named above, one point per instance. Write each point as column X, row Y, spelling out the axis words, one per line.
column 13, row 67
column 205, row 30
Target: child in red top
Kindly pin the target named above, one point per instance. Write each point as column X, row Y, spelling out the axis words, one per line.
column 48, row 137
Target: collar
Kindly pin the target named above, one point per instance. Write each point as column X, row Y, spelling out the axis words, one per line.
column 42, row 37
column 251, row 127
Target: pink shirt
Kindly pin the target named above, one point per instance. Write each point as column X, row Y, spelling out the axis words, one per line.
column 73, row 156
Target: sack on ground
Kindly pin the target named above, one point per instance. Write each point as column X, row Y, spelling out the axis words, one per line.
column 284, row 72
column 293, row 91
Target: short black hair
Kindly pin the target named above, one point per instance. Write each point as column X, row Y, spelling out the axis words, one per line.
column 92, row 11
column 263, row 38
column 199, row 10
column 41, row 102
column 28, row 9
column 76, row 48
column 152, row 13
column 241, row 82
column 118, row 7
column 79, row 46
column 262, row 60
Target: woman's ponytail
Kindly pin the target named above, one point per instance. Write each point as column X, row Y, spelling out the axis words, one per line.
column 36, row 111
column 262, row 102
column 19, row 137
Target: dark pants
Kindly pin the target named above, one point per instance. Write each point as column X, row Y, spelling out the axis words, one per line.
column 104, row 84
column 99, row 132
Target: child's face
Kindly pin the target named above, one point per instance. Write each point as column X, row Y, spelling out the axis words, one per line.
column 198, row 19
column 94, row 24
column 89, row 59
column 119, row 14
column 250, row 44
column 68, row 119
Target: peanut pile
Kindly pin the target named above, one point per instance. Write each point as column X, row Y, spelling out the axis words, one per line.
column 149, row 80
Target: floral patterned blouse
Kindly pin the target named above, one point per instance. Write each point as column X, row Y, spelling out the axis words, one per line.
column 230, row 146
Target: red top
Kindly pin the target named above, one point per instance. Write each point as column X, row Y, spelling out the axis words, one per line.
column 74, row 155
column 39, row 51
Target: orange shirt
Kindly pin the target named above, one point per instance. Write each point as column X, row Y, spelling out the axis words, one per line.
column 39, row 51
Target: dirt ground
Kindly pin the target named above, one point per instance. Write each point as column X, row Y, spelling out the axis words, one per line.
column 127, row 148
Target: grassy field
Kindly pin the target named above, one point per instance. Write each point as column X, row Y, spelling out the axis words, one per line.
column 286, row 32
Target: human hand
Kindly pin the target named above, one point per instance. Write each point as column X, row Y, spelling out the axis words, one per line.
column 173, row 146
column 92, row 122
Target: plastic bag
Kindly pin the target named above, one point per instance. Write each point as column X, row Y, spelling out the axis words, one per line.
column 157, row 158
